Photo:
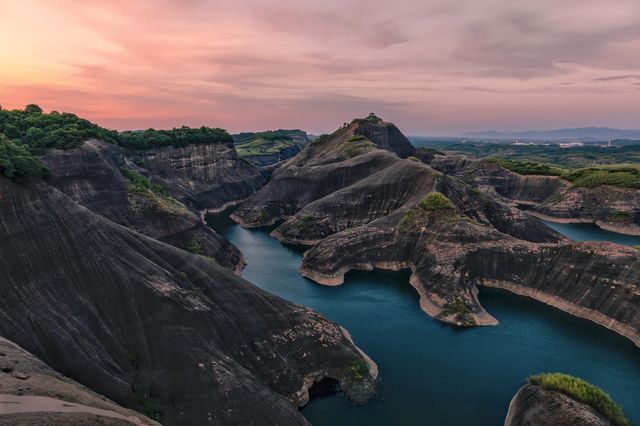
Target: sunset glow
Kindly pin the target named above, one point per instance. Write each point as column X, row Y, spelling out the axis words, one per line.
column 432, row 67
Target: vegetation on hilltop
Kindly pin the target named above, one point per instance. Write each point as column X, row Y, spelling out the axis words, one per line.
column 28, row 133
column 583, row 392
column 178, row 137
column 434, row 204
column 551, row 154
column 621, row 175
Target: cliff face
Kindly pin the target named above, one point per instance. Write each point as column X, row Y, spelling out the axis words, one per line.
column 91, row 176
column 32, row 394
column 205, row 177
column 326, row 165
column 153, row 327
column 549, row 197
column 534, row 406
column 381, row 218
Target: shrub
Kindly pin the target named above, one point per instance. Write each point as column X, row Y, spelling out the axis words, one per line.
column 304, row 224
column 526, row 167
column 583, row 392
column 18, row 164
column 359, row 369
column 619, row 216
column 412, row 158
column 195, row 247
column 139, row 183
column 435, row 201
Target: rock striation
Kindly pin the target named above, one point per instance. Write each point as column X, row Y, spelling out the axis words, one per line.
column 91, row 175
column 549, row 197
column 375, row 210
column 534, row 406
column 155, row 328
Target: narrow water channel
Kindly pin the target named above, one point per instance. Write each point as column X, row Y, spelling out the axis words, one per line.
column 433, row 374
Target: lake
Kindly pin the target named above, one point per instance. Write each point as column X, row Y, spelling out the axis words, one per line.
column 432, row 374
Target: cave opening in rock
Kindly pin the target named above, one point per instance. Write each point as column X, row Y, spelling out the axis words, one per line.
column 325, row 387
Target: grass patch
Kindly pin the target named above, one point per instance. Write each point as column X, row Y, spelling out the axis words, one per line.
column 433, row 205
column 435, row 201
column 459, row 310
column 304, row 224
column 412, row 158
column 527, row 167
column 357, row 145
column 621, row 175
column 141, row 184
column 359, row 369
column 619, row 216
column 195, row 247
column 583, row 392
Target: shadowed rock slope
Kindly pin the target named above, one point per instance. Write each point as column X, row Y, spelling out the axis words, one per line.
column 534, row 406
column 326, row 165
column 31, row 393
column 549, row 197
column 91, row 175
column 155, row 328
column 376, row 210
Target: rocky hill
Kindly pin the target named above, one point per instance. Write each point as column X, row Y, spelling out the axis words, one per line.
column 549, row 197
column 270, row 147
column 155, row 328
column 452, row 235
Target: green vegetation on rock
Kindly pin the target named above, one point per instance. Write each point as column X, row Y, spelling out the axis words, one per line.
column 435, row 201
column 459, row 310
column 358, row 145
column 526, row 167
column 141, row 184
column 195, row 247
column 583, row 392
column 434, row 204
column 178, row 137
column 359, row 369
column 621, row 175
column 304, row 224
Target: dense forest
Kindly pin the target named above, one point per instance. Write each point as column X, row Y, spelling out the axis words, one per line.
column 25, row 134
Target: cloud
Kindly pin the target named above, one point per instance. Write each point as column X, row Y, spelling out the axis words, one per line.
column 435, row 66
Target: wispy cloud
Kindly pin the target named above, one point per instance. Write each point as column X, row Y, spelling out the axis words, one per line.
column 432, row 66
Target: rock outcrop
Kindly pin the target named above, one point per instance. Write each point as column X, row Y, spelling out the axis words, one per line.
column 373, row 210
column 155, row 328
column 206, row 177
column 534, row 406
column 31, row 393
column 326, row 165
column 549, row 197
column 91, row 176
column 271, row 147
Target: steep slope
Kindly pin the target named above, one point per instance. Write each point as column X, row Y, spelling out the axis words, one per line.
column 31, row 393
column 534, row 406
column 391, row 213
column 91, row 175
column 326, row 165
column 205, row 176
column 155, row 328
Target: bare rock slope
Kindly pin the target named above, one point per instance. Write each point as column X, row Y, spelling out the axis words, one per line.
column 155, row 328
column 374, row 209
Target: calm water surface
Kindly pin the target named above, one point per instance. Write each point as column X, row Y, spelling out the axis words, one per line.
column 591, row 232
column 433, row 374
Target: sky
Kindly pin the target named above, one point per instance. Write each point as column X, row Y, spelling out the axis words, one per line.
column 434, row 67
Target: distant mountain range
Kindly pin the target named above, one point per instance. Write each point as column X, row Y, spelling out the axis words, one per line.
column 582, row 133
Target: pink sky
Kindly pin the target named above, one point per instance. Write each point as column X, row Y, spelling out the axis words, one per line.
column 431, row 66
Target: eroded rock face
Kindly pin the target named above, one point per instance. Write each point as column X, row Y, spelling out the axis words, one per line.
column 153, row 327
column 549, row 197
column 326, row 165
column 31, row 393
column 534, row 406
column 91, row 176
column 377, row 219
column 205, row 177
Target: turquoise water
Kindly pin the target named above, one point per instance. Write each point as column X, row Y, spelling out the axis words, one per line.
column 591, row 232
column 433, row 374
